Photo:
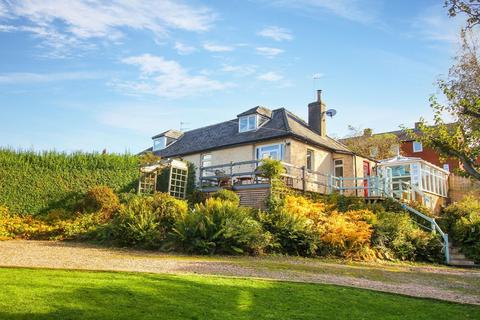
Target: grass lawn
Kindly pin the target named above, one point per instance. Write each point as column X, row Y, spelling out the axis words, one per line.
column 62, row 294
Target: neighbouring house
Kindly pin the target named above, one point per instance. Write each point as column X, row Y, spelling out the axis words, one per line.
column 409, row 147
column 233, row 148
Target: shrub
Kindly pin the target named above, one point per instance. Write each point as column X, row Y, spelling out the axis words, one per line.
column 270, row 168
column 290, row 233
column 101, row 199
column 218, row 226
column 396, row 236
column 26, row 227
column 346, row 235
column 90, row 226
column 227, row 195
column 146, row 220
column 462, row 220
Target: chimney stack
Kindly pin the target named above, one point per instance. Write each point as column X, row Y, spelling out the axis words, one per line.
column 317, row 116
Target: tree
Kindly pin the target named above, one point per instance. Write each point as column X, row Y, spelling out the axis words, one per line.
column 471, row 8
column 379, row 146
column 461, row 89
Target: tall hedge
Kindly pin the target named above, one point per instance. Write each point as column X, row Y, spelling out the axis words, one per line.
column 34, row 183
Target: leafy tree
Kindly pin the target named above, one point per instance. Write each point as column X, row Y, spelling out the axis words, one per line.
column 461, row 89
column 471, row 8
column 379, row 146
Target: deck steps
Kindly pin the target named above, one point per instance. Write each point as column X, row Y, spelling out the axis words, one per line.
column 458, row 259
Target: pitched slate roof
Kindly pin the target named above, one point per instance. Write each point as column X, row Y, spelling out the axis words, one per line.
column 282, row 124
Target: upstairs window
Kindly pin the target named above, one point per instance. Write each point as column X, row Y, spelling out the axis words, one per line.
column 159, row 143
column 374, row 151
column 417, row 146
column 247, row 123
column 309, row 159
column 395, row 148
column 446, row 167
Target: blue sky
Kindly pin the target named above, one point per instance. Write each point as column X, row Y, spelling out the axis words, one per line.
column 88, row 75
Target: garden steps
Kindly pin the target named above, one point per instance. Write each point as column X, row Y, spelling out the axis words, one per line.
column 458, row 259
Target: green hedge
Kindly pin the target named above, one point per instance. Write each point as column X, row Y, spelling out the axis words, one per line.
column 35, row 183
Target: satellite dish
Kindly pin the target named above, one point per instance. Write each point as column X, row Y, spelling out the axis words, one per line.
column 331, row 112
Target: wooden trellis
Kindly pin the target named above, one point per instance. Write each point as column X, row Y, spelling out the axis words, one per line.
column 177, row 182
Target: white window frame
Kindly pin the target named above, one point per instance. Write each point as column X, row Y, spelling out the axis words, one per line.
column 417, row 146
column 280, row 150
column 446, row 167
column 251, row 123
column 206, row 161
column 159, row 143
column 338, row 163
column 312, row 159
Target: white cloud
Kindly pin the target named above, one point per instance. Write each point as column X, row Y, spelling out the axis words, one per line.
column 276, row 33
column 28, row 78
column 184, row 49
column 242, row 70
column 217, row 48
column 268, row 52
column 166, row 78
column 270, row 76
column 66, row 23
column 355, row 10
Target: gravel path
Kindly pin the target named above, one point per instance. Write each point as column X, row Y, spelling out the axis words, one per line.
column 68, row 255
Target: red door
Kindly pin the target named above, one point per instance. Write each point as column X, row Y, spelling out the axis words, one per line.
column 366, row 174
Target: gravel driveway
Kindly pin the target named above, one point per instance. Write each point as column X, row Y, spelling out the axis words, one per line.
column 457, row 285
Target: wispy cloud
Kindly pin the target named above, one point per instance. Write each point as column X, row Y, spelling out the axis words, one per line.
column 241, row 70
column 212, row 47
column 166, row 78
column 270, row 76
column 62, row 24
column 268, row 51
column 354, row 10
column 184, row 49
column 276, row 33
column 30, row 78
column 433, row 24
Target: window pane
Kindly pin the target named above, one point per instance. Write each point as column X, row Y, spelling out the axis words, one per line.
column 338, row 171
column 309, row 159
column 252, row 122
column 243, row 124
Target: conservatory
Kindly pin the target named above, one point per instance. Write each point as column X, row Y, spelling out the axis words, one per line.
column 415, row 179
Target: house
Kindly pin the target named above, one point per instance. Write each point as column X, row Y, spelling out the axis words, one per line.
column 234, row 147
column 409, row 147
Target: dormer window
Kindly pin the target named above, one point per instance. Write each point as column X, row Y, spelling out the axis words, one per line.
column 159, row 143
column 247, row 123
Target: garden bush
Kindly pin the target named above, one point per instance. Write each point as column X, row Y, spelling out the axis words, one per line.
column 34, row 183
column 462, row 221
column 145, row 220
column 101, row 199
column 227, row 195
column 396, row 236
column 218, row 226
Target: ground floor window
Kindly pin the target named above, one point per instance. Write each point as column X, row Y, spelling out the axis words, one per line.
column 206, row 161
column 338, row 167
column 274, row 151
column 310, row 159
